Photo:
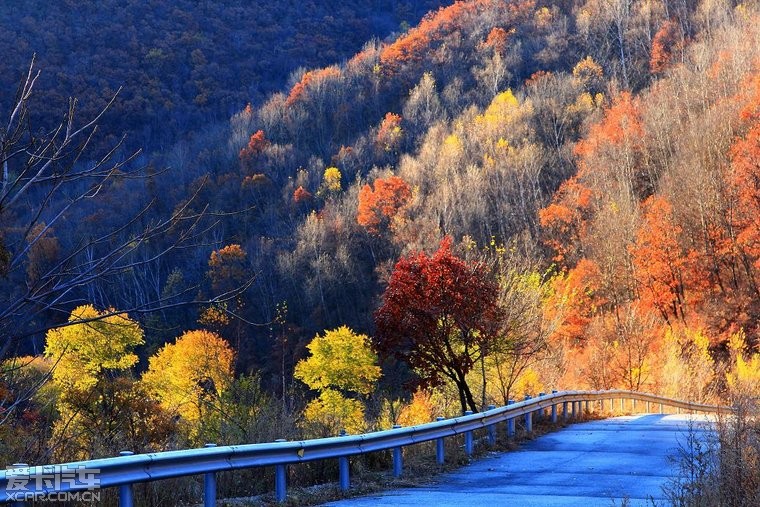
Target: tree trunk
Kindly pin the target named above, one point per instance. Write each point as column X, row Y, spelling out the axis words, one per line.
column 483, row 374
column 466, row 399
column 470, row 398
column 462, row 399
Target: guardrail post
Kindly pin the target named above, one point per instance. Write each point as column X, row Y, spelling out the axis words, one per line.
column 649, row 409
column 540, row 411
column 633, row 405
column 468, row 438
column 280, row 480
column 573, row 413
column 554, row 409
column 588, row 408
column 126, row 495
column 661, row 411
column 344, row 469
column 510, row 422
column 209, row 486
column 439, row 448
column 564, row 411
column 622, row 405
column 398, row 459
column 19, row 503
column 491, row 430
column 528, row 418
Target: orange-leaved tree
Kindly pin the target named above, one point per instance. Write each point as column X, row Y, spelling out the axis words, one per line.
column 227, row 268
column 498, row 39
column 610, row 156
column 664, row 270
column 565, row 220
column 255, row 147
column 310, row 80
column 573, row 302
column 666, row 41
column 389, row 133
column 744, row 177
column 378, row 206
column 621, row 125
column 415, row 44
column 301, row 195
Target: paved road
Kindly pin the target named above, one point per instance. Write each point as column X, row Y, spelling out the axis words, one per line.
column 584, row 465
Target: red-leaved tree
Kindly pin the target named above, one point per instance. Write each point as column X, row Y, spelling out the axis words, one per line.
column 440, row 315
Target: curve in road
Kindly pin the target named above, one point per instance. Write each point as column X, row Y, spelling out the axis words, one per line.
column 618, row 461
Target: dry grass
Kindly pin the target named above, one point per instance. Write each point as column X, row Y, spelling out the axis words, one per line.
column 723, row 469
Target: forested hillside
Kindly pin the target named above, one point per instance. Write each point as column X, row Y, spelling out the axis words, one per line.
column 182, row 66
column 508, row 197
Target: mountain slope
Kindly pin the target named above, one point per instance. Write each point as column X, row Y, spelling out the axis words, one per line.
column 181, row 64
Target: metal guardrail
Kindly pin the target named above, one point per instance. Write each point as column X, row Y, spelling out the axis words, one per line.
column 128, row 469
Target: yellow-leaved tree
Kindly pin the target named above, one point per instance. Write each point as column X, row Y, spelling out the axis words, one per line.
column 99, row 342
column 101, row 409
column 189, row 376
column 331, row 181
column 27, row 426
column 419, row 410
column 332, row 411
column 743, row 378
column 343, row 367
column 687, row 370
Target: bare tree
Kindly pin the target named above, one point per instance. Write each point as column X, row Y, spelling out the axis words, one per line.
column 46, row 177
column 524, row 342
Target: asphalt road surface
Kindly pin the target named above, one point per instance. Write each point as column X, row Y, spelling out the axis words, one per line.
column 619, row 461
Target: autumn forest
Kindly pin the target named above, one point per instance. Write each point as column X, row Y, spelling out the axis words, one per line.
column 282, row 221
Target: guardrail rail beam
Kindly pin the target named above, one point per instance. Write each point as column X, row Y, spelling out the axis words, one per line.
column 127, row 469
